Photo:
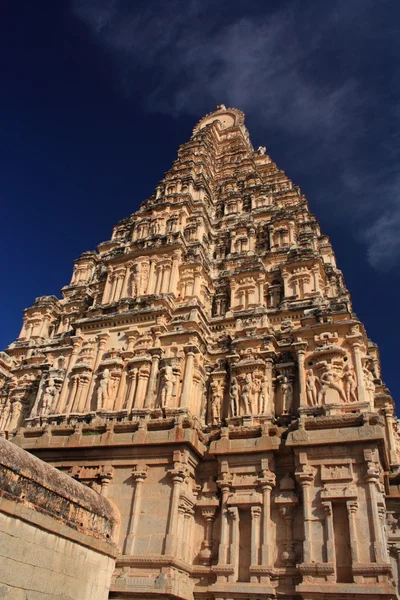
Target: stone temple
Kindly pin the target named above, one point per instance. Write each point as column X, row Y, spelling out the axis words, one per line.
column 205, row 375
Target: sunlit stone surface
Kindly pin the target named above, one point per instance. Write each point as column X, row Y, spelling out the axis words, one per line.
column 204, row 371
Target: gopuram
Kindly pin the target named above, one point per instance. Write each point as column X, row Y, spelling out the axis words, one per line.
column 205, row 371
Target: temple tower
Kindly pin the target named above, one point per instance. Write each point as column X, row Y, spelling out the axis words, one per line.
column 205, row 371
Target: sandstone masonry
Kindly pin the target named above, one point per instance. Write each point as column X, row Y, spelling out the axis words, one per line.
column 205, row 372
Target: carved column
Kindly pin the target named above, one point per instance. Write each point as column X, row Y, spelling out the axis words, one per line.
column 178, row 477
column 141, row 386
column 356, row 347
column 285, row 277
column 197, row 283
column 233, row 513
column 132, row 376
column 301, row 348
column 187, row 531
column 139, row 476
column 188, row 377
column 305, row 478
column 105, row 477
column 175, row 272
column 287, row 512
column 76, row 343
column 151, row 388
column 351, row 512
column 166, row 279
column 225, row 486
column 150, row 284
column 124, row 290
column 315, row 274
column 267, row 482
column 329, row 532
column 390, row 423
column 255, row 535
column 101, row 344
column 205, row 553
column 372, row 479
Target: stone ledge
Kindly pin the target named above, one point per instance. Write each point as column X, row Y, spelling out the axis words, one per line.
column 36, row 488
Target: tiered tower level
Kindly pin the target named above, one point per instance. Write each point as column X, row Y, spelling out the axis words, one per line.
column 205, row 371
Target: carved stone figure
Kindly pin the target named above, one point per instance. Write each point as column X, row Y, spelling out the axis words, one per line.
column 245, row 395
column 234, row 397
column 350, row 384
column 102, row 390
column 264, row 396
column 48, row 398
column 287, row 395
column 216, row 401
column 330, row 380
column 167, row 386
column 369, row 385
column 311, row 388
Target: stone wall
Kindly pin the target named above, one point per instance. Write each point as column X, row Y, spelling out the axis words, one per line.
column 57, row 535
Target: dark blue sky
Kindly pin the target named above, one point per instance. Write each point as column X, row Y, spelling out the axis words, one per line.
column 97, row 95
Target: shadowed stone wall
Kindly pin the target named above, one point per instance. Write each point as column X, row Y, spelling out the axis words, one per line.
column 56, row 535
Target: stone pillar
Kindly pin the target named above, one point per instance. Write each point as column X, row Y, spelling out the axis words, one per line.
column 285, row 277
column 356, row 347
column 166, row 279
column 139, row 476
column 121, row 393
column 101, row 344
column 124, row 290
column 188, row 377
column 315, row 274
column 372, row 479
column 178, row 477
column 267, row 482
column 329, row 532
column 159, row 275
column 84, row 384
column 225, row 486
column 233, row 513
column 76, row 343
column 132, row 376
column 291, row 232
column 173, row 282
column 141, row 387
column 187, row 535
column 305, row 478
column 150, row 284
column 197, row 284
column 301, row 353
column 260, row 289
column 390, row 422
column 255, row 535
column 205, row 553
column 105, row 477
column 151, row 388
column 108, row 286
column 16, row 411
column 351, row 512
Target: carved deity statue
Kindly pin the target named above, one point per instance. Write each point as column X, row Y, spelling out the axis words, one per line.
column 350, row 384
column 216, row 402
column 311, row 388
column 48, row 398
column 234, row 397
column 264, row 396
column 330, row 380
column 245, row 395
column 102, row 390
column 287, row 395
column 167, row 386
column 256, row 389
column 369, row 385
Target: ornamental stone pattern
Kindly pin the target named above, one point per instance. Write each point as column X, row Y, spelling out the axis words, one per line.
column 204, row 371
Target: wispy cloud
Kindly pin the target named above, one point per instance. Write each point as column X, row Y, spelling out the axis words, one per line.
column 310, row 70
